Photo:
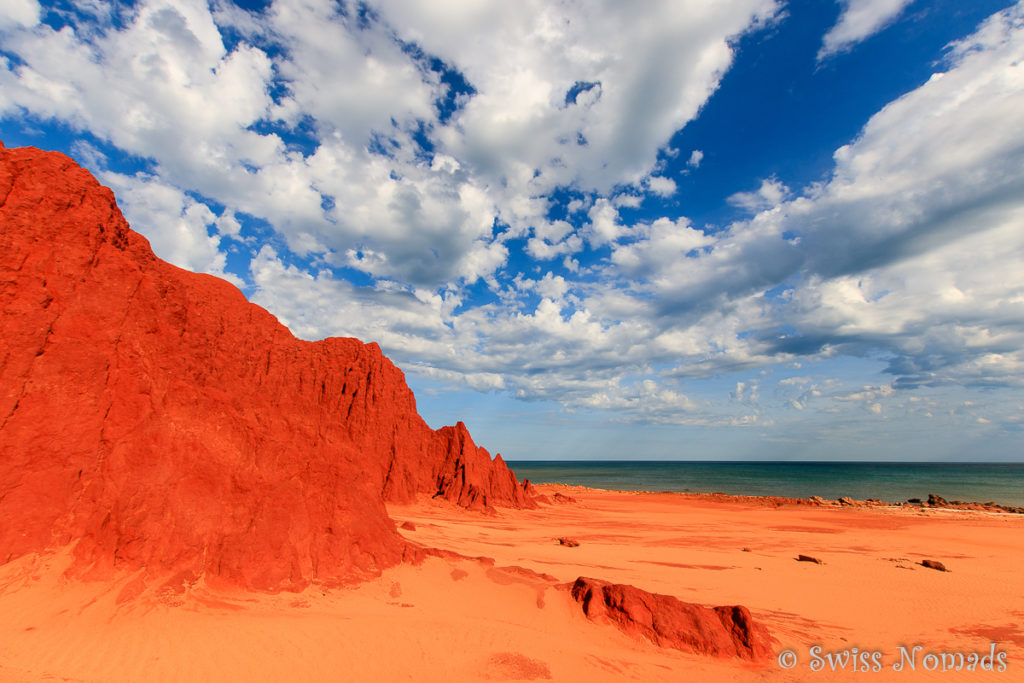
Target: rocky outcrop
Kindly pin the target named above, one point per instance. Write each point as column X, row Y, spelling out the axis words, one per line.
column 155, row 418
column 447, row 464
column 670, row 622
column 936, row 501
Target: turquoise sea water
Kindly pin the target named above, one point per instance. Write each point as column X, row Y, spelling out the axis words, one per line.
column 982, row 482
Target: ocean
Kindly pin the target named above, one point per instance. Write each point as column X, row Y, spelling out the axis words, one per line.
column 1001, row 483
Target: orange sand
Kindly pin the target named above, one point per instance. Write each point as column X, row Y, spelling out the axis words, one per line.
column 451, row 619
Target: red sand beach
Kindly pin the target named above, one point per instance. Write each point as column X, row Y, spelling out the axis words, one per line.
column 452, row 618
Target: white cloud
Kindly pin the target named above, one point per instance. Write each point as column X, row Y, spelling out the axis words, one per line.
column 543, row 250
column 353, row 82
column 914, row 244
column 696, row 156
column 859, row 20
column 769, row 194
column 529, row 128
column 748, row 393
column 661, row 186
column 912, row 249
column 664, row 243
column 18, row 13
column 604, row 224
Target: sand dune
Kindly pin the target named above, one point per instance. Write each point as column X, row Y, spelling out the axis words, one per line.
column 455, row 618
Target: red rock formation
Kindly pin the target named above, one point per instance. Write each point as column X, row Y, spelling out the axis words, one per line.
column 669, row 622
column 157, row 419
column 449, row 465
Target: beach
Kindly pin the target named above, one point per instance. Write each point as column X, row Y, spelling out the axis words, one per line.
column 492, row 602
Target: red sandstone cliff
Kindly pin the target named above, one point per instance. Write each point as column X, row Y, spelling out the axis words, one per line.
column 158, row 419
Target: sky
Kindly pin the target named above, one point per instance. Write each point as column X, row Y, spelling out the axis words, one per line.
column 742, row 229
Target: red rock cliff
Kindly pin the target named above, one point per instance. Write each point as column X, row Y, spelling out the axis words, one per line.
column 159, row 420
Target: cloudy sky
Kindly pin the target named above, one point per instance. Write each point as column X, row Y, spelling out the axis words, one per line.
column 678, row 229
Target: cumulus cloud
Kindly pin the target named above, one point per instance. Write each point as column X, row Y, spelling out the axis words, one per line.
column 19, row 13
column 568, row 95
column 770, row 193
column 909, row 251
column 345, row 133
column 661, row 186
column 663, row 243
column 859, row 20
column 913, row 244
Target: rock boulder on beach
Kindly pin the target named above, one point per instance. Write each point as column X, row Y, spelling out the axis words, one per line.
column 728, row 631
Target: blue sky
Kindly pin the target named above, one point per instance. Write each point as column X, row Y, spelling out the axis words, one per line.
column 740, row 229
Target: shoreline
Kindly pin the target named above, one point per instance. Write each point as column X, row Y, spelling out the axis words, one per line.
column 932, row 503
column 960, row 484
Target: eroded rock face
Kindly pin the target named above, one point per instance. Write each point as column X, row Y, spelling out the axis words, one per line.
column 158, row 419
column 669, row 622
column 447, row 464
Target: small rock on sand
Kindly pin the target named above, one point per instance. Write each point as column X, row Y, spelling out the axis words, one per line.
column 569, row 542
column 408, row 526
column 934, row 564
column 808, row 558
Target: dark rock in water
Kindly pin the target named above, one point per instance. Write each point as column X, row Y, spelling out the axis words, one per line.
column 936, row 501
column 915, row 501
column 934, row 564
column 808, row 558
column 669, row 622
